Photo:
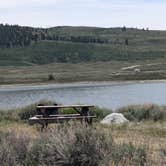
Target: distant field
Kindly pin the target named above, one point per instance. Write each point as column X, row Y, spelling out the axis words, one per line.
column 97, row 71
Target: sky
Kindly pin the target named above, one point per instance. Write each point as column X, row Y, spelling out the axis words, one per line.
column 99, row 13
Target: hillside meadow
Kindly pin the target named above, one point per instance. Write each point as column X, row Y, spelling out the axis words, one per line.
column 21, row 46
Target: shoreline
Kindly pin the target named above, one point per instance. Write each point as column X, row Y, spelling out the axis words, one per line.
column 79, row 83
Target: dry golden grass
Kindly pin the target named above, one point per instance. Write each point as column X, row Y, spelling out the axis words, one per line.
column 149, row 134
column 20, row 128
column 92, row 71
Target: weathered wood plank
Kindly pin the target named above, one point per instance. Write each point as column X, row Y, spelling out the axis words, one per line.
column 64, row 106
column 59, row 115
column 58, row 119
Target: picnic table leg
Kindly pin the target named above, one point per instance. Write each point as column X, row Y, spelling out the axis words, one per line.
column 90, row 121
column 85, row 112
column 44, row 125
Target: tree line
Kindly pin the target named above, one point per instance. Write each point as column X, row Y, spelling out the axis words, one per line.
column 17, row 36
column 11, row 36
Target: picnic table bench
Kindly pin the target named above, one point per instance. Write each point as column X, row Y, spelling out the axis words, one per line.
column 51, row 114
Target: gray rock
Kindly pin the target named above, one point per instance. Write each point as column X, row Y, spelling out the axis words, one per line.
column 114, row 118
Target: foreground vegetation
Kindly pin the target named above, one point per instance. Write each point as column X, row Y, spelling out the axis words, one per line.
column 72, row 145
column 139, row 142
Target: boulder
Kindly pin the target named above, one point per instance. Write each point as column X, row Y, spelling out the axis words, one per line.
column 114, row 118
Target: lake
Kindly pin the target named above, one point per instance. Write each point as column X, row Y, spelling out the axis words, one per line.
column 110, row 95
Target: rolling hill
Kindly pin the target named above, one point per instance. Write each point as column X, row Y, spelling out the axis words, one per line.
column 22, row 46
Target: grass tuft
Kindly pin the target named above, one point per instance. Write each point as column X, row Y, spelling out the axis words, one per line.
column 143, row 112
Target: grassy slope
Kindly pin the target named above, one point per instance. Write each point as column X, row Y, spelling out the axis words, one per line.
column 92, row 62
column 142, row 45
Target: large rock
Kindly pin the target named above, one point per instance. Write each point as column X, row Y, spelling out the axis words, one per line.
column 114, row 118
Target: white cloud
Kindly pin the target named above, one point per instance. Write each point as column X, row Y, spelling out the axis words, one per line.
column 135, row 13
column 17, row 3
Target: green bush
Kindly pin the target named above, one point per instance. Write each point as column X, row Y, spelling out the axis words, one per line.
column 22, row 113
column 27, row 112
column 101, row 113
column 51, row 77
column 30, row 111
column 143, row 112
column 9, row 115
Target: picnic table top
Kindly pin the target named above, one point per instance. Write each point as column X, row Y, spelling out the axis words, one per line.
column 65, row 106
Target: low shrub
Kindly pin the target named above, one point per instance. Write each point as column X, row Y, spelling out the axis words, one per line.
column 101, row 113
column 71, row 146
column 68, row 145
column 51, row 77
column 143, row 112
column 9, row 115
column 22, row 113
column 30, row 111
column 27, row 112
column 13, row 148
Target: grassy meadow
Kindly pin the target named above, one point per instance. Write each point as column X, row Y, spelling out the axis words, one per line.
column 139, row 142
column 96, row 71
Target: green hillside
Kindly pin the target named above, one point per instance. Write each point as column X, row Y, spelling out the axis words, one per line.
column 31, row 46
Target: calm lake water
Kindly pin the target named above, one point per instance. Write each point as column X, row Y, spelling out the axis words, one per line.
column 105, row 95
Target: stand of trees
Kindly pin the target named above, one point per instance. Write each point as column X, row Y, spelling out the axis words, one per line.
column 17, row 36
column 12, row 36
column 81, row 39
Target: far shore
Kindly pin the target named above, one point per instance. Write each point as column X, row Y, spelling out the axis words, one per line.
column 82, row 83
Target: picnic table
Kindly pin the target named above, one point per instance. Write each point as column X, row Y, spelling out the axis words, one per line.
column 51, row 114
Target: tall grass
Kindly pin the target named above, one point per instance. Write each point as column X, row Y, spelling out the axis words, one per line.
column 132, row 113
column 144, row 112
column 73, row 145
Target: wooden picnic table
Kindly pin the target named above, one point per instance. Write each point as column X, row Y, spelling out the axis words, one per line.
column 50, row 114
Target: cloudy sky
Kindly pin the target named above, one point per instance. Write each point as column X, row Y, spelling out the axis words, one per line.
column 101, row 13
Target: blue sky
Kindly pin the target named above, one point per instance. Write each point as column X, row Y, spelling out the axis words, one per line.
column 101, row 13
